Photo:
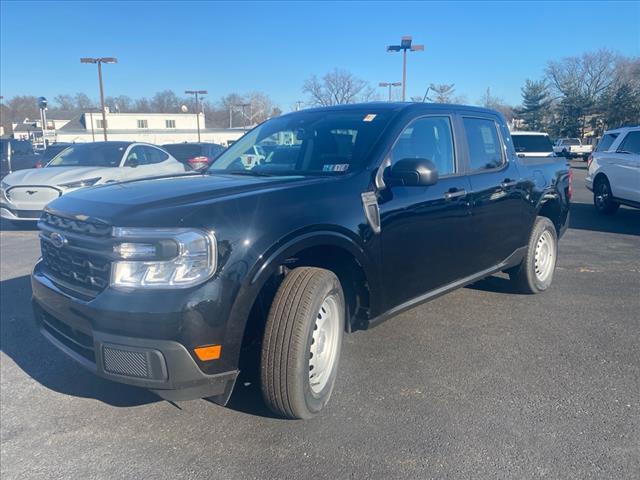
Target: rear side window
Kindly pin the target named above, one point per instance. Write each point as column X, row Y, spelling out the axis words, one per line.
column 485, row 148
column 429, row 138
column 155, row 155
column 605, row 143
column 631, row 143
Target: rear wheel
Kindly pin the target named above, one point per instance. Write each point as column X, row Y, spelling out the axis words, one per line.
column 302, row 342
column 602, row 198
column 535, row 272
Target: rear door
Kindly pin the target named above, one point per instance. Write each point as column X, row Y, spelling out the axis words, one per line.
column 625, row 168
column 161, row 161
column 425, row 230
column 497, row 193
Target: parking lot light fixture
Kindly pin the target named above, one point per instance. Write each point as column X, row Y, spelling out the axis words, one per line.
column 196, row 93
column 405, row 44
column 100, row 61
column 389, row 84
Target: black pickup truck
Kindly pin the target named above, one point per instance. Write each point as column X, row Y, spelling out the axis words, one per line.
column 355, row 214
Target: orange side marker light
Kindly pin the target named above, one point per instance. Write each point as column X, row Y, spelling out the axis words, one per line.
column 210, row 352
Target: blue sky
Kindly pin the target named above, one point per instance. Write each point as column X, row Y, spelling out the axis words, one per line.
column 274, row 46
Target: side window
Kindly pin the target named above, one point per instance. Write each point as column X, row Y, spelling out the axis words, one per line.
column 155, row 155
column 485, row 148
column 136, row 156
column 606, row 142
column 631, row 143
column 430, row 138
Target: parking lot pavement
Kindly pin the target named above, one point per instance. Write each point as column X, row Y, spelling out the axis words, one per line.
column 480, row 383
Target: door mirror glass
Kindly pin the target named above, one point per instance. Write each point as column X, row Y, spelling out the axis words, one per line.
column 412, row 172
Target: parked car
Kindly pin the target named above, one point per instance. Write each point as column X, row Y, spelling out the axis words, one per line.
column 371, row 209
column 25, row 193
column 16, row 155
column 572, row 148
column 532, row 144
column 196, row 156
column 614, row 170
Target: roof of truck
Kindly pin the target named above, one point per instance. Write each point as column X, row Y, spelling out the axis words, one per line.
column 398, row 106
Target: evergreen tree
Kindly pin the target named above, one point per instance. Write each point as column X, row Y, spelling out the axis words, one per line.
column 535, row 104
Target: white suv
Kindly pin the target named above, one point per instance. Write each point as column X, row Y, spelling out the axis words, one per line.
column 614, row 170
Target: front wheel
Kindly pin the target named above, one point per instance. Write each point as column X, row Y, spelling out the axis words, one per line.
column 302, row 342
column 535, row 272
column 602, row 197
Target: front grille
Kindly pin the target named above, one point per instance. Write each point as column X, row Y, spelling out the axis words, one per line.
column 92, row 228
column 31, row 214
column 78, row 341
column 79, row 269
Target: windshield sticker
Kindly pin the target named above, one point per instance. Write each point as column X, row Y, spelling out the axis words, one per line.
column 369, row 117
column 335, row 167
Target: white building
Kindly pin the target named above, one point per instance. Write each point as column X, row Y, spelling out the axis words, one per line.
column 158, row 128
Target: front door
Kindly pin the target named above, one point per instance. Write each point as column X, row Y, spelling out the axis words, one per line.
column 425, row 230
column 625, row 168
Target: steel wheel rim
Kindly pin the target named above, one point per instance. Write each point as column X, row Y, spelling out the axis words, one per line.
column 324, row 344
column 545, row 255
column 603, row 195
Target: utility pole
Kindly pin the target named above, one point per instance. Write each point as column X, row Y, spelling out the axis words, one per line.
column 405, row 44
column 389, row 84
column 100, row 61
column 196, row 93
column 243, row 106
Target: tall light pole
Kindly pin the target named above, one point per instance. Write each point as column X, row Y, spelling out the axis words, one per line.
column 389, row 84
column 196, row 93
column 243, row 106
column 405, row 44
column 100, row 61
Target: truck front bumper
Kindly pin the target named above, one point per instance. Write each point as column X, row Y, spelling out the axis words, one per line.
column 161, row 365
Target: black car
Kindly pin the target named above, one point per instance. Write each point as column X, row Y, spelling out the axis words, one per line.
column 17, row 155
column 196, row 156
column 361, row 212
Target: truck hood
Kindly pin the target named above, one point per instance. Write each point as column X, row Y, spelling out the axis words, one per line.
column 52, row 176
column 166, row 197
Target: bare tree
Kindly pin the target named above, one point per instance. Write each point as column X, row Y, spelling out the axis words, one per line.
column 65, row 102
column 496, row 103
column 335, row 88
column 588, row 75
column 443, row 92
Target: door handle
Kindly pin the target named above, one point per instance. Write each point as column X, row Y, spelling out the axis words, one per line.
column 508, row 183
column 454, row 194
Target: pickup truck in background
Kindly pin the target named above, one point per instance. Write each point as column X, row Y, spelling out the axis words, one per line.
column 365, row 211
column 572, row 148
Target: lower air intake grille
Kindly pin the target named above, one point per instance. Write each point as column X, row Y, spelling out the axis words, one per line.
column 126, row 362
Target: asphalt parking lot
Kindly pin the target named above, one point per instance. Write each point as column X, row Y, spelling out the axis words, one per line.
column 480, row 383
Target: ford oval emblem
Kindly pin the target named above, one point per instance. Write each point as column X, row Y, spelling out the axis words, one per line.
column 57, row 240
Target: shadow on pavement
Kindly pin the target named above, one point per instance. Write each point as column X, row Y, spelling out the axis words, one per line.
column 585, row 217
column 21, row 341
column 8, row 226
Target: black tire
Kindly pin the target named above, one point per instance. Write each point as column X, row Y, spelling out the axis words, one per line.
column 524, row 277
column 602, row 197
column 288, row 338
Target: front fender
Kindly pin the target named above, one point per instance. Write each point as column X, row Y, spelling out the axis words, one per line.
column 268, row 264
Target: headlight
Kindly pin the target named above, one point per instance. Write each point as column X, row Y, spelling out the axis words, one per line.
column 4, row 185
column 163, row 258
column 87, row 182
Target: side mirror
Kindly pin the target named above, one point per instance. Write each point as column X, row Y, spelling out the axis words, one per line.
column 132, row 162
column 412, row 172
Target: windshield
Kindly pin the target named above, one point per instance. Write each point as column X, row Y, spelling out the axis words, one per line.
column 532, row 143
column 185, row 151
column 52, row 151
column 90, row 155
column 321, row 142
